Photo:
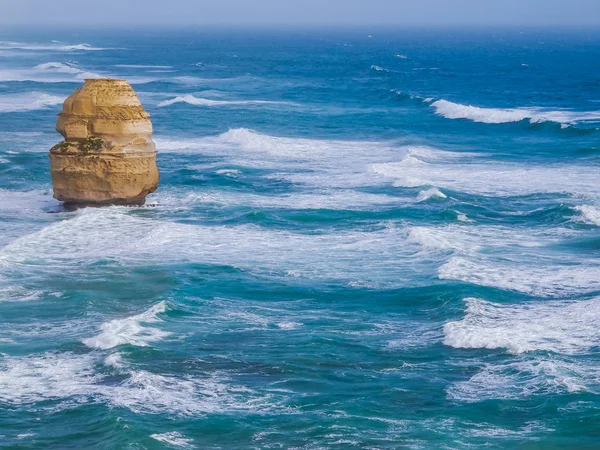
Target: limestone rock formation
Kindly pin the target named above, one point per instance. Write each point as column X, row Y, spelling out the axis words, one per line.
column 108, row 156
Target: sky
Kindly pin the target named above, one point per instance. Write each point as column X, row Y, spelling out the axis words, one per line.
column 567, row 13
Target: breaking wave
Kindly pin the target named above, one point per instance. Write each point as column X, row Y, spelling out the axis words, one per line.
column 141, row 66
column 198, row 101
column 276, row 146
column 475, row 174
column 28, row 101
column 510, row 258
column 567, row 327
column 526, row 377
column 51, row 72
column 589, row 214
column 173, row 438
column 381, row 69
column 54, row 46
column 451, row 110
column 82, row 240
column 130, row 330
column 429, row 194
column 541, row 279
column 59, row 376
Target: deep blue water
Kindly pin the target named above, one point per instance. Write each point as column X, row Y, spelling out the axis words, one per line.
column 368, row 239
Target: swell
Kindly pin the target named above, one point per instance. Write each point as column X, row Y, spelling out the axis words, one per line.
column 29, row 101
column 552, row 119
column 53, row 46
column 533, row 115
column 199, row 101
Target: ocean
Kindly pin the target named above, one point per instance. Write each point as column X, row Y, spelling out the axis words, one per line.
column 378, row 239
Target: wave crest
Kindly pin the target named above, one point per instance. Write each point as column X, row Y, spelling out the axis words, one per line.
column 130, row 330
column 451, row 110
column 433, row 193
column 589, row 214
column 567, row 327
column 29, row 101
column 377, row 68
column 58, row 376
column 54, row 46
column 198, row 101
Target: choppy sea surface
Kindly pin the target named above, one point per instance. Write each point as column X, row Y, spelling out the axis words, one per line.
column 364, row 239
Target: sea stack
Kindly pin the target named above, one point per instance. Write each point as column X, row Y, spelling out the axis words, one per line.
column 108, row 156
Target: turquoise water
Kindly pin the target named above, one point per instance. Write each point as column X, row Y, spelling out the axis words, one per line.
column 368, row 239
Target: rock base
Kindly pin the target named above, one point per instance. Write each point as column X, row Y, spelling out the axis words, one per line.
column 104, row 178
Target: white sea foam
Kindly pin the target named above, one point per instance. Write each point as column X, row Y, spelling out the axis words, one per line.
column 53, row 46
column 234, row 140
column 54, row 68
column 509, row 258
column 16, row 293
column 28, row 101
column 323, row 199
column 433, row 193
column 58, row 67
column 289, row 325
column 380, row 69
column 228, row 172
column 198, row 101
column 462, row 217
column 525, row 377
column 144, row 391
column 198, row 81
column 142, row 66
column 130, row 330
column 91, row 233
column 568, row 327
column 442, row 239
column 81, row 47
column 57, row 72
column 589, row 214
column 174, row 438
column 31, row 379
column 292, row 156
column 114, row 360
column 452, row 110
column 475, row 174
column 539, row 278
column 51, row 72
column 83, row 239
column 25, row 435
column 528, row 428
column 306, row 162
column 26, row 202
column 501, row 240
column 61, row 376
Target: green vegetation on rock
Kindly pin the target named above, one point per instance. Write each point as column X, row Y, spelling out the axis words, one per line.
column 91, row 144
column 61, row 147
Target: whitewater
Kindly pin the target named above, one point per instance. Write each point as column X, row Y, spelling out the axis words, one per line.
column 360, row 240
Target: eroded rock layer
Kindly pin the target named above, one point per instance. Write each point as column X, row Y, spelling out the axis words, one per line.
column 108, row 156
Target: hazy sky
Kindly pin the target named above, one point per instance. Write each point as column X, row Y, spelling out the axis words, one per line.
column 302, row 12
